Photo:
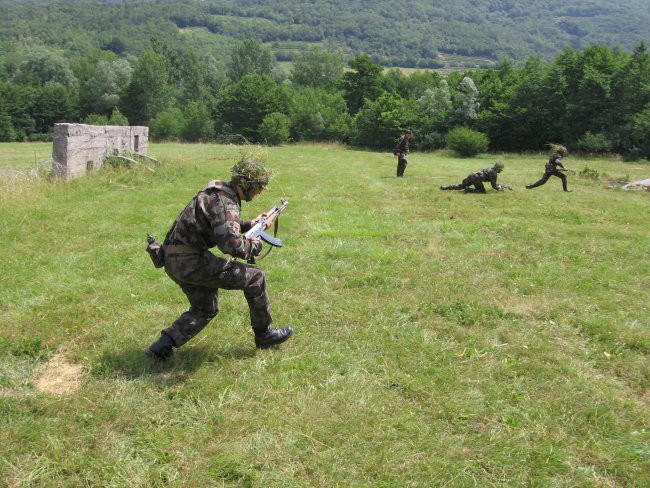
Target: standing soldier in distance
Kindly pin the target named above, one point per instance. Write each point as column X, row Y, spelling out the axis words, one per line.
column 551, row 168
column 212, row 219
column 401, row 150
column 476, row 180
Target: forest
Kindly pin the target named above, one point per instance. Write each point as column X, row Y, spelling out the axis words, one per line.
column 399, row 33
column 70, row 63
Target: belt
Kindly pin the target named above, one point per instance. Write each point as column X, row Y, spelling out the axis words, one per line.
column 181, row 249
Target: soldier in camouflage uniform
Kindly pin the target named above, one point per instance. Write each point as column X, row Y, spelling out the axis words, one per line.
column 476, row 180
column 212, row 219
column 551, row 168
column 401, row 151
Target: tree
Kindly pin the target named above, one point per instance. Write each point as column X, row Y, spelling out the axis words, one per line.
column 250, row 57
column 150, row 90
column 18, row 101
column 631, row 92
column 317, row 68
column 469, row 108
column 436, row 101
column 432, row 116
column 640, row 133
column 7, row 132
column 528, row 107
column 363, row 83
column 318, row 115
column 43, row 67
column 496, row 89
column 243, row 105
column 102, row 90
column 199, row 125
column 379, row 122
column 54, row 103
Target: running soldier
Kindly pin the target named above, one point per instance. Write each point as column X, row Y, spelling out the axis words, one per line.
column 476, row 180
column 212, row 219
column 551, row 168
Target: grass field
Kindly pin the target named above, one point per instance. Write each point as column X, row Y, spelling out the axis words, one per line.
column 441, row 339
column 20, row 156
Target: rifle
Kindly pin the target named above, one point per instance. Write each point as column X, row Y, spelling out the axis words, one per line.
column 504, row 187
column 257, row 231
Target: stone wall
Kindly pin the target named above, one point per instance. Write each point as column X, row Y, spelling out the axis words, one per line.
column 80, row 148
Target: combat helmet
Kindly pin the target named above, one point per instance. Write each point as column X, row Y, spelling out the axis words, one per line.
column 499, row 165
column 250, row 173
column 558, row 148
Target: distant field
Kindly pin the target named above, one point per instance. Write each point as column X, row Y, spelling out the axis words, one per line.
column 21, row 156
column 442, row 339
column 452, row 62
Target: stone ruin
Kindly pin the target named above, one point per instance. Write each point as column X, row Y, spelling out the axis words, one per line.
column 80, row 148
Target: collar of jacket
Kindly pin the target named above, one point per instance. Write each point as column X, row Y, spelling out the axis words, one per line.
column 224, row 186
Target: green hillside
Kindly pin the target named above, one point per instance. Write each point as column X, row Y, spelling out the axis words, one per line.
column 402, row 33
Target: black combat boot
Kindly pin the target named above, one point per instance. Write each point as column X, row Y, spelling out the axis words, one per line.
column 270, row 337
column 162, row 349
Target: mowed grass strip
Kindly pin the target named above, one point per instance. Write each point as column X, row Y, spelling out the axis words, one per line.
column 441, row 339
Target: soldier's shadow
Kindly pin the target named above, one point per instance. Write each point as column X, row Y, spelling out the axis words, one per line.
column 132, row 363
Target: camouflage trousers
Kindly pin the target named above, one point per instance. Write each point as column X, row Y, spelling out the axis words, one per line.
column 471, row 180
column 547, row 175
column 401, row 166
column 200, row 276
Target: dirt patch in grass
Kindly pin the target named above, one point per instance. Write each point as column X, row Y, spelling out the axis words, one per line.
column 59, row 376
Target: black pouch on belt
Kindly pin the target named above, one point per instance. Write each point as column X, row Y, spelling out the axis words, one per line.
column 155, row 252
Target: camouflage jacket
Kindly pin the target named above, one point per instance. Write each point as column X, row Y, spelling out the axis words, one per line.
column 402, row 147
column 212, row 219
column 488, row 175
column 553, row 163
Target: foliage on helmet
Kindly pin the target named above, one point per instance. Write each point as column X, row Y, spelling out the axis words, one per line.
column 499, row 164
column 557, row 148
column 249, row 172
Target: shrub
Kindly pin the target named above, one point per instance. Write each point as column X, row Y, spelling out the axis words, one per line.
column 167, row 125
column 431, row 140
column 594, row 143
column 118, row 118
column 589, row 173
column 199, row 125
column 95, row 119
column 41, row 137
column 274, row 129
column 467, row 142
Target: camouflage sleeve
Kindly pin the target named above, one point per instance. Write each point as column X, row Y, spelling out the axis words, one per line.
column 493, row 180
column 223, row 215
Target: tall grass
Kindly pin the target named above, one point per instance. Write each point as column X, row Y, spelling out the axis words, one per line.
column 441, row 339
